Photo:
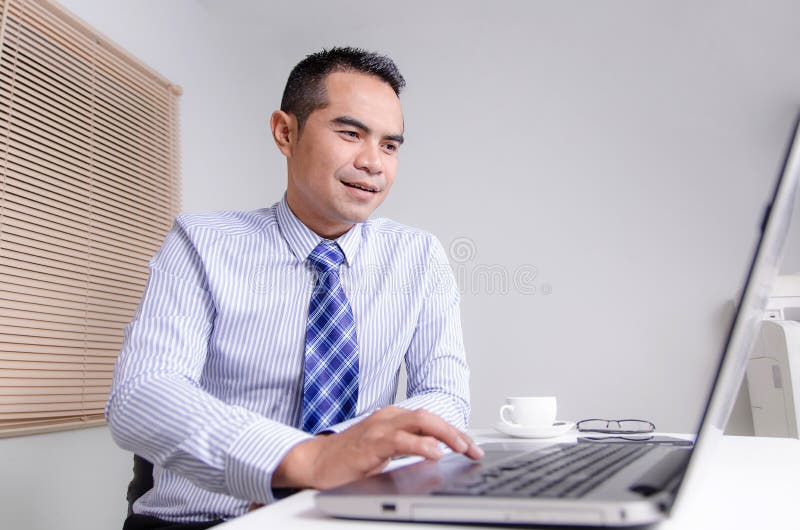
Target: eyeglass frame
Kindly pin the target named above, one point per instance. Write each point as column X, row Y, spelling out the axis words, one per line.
column 608, row 430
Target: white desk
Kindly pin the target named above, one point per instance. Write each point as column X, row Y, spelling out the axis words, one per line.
column 748, row 483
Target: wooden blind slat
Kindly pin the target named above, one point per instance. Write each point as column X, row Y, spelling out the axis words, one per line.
column 21, row 294
column 90, row 324
column 24, row 182
column 147, row 163
column 66, row 184
column 119, row 176
column 91, row 290
column 57, row 365
column 54, row 34
column 72, row 252
column 110, row 248
column 78, row 322
column 149, row 159
column 25, row 286
column 108, row 126
column 44, row 307
column 44, row 193
column 30, row 426
column 114, row 111
column 98, row 357
column 19, row 90
column 79, row 278
column 77, row 389
column 123, row 102
column 57, row 349
column 53, row 384
column 22, row 205
column 122, row 75
column 25, row 75
column 39, row 337
column 12, row 427
column 97, row 232
column 57, row 84
column 45, row 105
column 97, row 276
column 55, row 403
column 22, row 403
column 43, row 108
column 100, row 360
column 96, row 409
column 68, row 283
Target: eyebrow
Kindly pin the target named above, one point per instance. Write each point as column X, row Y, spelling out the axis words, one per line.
column 347, row 120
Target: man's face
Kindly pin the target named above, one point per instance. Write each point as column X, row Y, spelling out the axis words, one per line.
column 344, row 161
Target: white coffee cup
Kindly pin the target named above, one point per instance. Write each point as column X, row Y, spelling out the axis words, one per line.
column 529, row 411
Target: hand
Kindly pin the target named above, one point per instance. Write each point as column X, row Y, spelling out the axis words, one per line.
column 365, row 448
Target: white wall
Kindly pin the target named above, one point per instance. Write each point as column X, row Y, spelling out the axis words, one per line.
column 73, row 480
column 623, row 149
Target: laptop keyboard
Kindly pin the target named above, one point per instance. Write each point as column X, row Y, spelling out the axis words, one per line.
column 560, row 472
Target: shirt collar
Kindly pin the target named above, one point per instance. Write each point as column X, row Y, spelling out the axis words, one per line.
column 302, row 240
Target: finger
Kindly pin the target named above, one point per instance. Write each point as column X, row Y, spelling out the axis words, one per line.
column 474, row 451
column 380, row 467
column 408, row 444
column 428, row 424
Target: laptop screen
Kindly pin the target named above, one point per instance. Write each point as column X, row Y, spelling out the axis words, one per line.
column 758, row 283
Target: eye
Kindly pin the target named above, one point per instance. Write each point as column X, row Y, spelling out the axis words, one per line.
column 391, row 148
column 349, row 134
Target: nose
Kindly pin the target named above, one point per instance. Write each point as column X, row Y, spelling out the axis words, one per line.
column 369, row 159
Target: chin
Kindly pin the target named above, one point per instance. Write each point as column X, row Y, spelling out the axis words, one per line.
column 355, row 219
column 357, row 215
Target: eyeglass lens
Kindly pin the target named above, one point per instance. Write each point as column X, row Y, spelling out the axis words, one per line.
column 616, row 426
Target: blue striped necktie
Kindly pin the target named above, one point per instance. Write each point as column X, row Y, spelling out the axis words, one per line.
column 330, row 387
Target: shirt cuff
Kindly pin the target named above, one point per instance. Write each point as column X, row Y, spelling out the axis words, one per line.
column 254, row 456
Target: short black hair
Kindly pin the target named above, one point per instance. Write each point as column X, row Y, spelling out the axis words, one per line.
column 305, row 88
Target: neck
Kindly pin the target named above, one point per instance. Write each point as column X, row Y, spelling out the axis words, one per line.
column 321, row 227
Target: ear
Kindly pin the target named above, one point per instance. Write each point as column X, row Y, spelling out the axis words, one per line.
column 284, row 131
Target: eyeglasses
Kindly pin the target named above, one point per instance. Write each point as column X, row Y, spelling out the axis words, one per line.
column 616, row 426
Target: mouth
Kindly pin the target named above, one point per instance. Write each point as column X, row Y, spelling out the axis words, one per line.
column 362, row 186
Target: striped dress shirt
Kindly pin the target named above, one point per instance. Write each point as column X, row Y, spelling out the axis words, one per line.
column 209, row 381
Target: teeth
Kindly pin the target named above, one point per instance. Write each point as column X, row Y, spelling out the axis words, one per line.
column 359, row 187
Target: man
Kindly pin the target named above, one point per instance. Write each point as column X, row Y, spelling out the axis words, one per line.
column 266, row 348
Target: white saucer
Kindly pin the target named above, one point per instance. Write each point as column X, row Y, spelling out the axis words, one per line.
column 557, row 429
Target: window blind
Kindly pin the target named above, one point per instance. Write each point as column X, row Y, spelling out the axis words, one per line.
column 90, row 185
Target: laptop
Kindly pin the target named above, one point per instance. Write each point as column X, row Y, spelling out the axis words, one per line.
column 592, row 484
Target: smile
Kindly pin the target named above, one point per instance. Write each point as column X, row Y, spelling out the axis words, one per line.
column 360, row 187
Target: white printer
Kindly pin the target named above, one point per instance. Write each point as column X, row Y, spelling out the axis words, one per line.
column 773, row 371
